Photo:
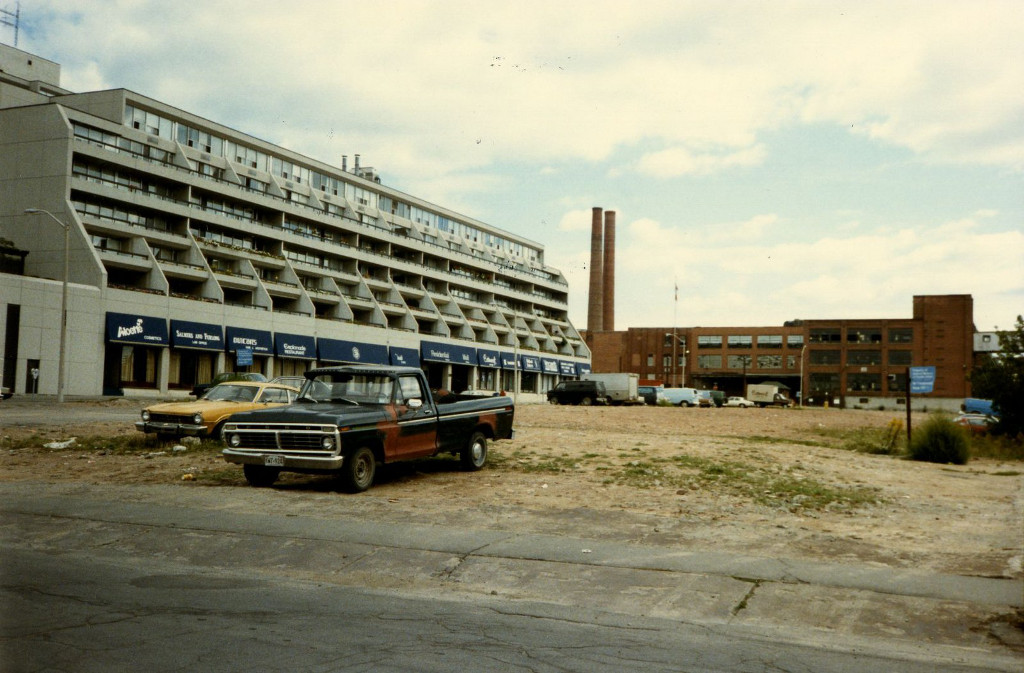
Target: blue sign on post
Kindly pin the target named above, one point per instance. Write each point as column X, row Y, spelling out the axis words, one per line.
column 922, row 380
column 243, row 357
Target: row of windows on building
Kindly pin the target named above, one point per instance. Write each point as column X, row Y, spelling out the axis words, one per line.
column 249, row 157
column 826, row 335
column 815, row 357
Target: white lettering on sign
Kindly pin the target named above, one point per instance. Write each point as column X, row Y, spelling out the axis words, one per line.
column 245, row 342
column 123, row 332
column 294, row 349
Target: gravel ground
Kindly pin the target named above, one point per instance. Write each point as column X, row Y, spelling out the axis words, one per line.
column 764, row 482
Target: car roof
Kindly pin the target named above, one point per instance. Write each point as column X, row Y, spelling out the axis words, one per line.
column 256, row 384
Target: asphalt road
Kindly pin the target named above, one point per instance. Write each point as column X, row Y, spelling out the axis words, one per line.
column 75, row 613
column 167, row 578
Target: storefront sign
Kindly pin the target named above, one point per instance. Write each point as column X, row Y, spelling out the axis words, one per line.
column 486, row 358
column 434, row 351
column 582, row 368
column 294, row 346
column 197, row 335
column 338, row 350
column 404, row 357
column 258, row 341
column 529, row 363
column 549, row 366
column 508, row 360
column 136, row 329
column 566, row 368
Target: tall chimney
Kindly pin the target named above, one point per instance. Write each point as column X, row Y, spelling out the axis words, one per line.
column 595, row 306
column 608, row 287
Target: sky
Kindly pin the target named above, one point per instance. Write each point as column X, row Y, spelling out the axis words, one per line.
column 771, row 160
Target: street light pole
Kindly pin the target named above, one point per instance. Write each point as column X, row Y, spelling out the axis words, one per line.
column 63, row 302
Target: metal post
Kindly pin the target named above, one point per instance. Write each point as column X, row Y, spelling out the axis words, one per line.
column 63, row 302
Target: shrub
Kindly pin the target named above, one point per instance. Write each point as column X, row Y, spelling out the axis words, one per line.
column 940, row 440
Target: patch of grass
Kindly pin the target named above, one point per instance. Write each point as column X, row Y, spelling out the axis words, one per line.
column 765, row 439
column 791, row 491
column 997, row 448
column 887, row 441
column 130, row 444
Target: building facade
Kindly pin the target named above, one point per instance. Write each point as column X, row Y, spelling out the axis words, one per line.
column 193, row 248
column 849, row 363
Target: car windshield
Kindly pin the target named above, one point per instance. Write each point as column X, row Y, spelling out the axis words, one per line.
column 349, row 388
column 229, row 392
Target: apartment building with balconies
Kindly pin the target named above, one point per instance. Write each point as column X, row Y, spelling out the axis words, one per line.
column 195, row 248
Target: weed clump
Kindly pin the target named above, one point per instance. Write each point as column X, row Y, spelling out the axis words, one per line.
column 940, row 440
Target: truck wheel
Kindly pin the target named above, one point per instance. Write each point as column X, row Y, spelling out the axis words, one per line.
column 474, row 453
column 260, row 476
column 586, row 401
column 358, row 470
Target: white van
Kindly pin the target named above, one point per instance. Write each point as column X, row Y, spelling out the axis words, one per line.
column 681, row 397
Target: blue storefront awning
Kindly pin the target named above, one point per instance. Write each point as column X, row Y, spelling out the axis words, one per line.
column 197, row 335
column 508, row 360
column 582, row 368
column 128, row 328
column 530, row 363
column 566, row 368
column 255, row 340
column 433, row 351
column 549, row 365
column 294, row 346
column 404, row 357
column 354, row 352
column 487, row 358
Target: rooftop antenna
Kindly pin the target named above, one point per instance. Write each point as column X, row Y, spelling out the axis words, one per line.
column 9, row 18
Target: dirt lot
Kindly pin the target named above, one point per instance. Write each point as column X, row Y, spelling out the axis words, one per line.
column 760, row 482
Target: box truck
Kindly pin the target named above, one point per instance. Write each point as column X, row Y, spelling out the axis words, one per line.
column 767, row 394
column 621, row 388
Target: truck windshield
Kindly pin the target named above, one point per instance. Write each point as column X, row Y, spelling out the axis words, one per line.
column 347, row 388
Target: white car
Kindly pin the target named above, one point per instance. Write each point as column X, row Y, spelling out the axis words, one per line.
column 738, row 402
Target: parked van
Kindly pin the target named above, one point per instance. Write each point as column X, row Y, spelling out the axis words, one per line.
column 578, row 392
column 682, row 397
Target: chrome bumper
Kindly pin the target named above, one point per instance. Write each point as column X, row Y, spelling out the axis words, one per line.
column 282, row 460
column 179, row 429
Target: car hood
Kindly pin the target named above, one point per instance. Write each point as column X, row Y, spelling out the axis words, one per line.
column 302, row 413
column 197, row 406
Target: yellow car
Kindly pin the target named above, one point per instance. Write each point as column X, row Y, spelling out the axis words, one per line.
column 205, row 416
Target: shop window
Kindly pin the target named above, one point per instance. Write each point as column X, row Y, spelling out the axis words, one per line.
column 824, row 357
column 901, row 335
column 897, row 357
column 825, row 335
column 863, row 358
column 863, row 382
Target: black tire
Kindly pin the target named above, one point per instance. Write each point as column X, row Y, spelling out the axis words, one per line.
column 358, row 470
column 260, row 476
column 474, row 453
column 586, row 401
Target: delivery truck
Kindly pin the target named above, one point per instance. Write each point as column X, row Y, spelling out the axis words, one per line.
column 768, row 395
column 621, row 387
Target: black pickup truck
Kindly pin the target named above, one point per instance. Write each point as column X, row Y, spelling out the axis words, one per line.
column 347, row 419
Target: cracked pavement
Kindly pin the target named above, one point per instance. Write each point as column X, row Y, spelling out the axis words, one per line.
column 949, row 619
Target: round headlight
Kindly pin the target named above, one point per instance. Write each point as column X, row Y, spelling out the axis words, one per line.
column 145, row 415
column 327, row 443
column 234, row 440
column 197, row 418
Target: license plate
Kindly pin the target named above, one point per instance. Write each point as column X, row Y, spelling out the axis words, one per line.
column 273, row 461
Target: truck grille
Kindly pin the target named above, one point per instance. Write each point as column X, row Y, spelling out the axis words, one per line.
column 284, row 437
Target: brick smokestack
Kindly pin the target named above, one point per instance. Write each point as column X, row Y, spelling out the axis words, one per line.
column 608, row 286
column 595, row 306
